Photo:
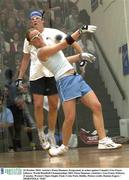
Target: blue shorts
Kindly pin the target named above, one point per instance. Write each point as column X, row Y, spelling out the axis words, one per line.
column 72, row 87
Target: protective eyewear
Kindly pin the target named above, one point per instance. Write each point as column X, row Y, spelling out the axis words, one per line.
column 36, row 36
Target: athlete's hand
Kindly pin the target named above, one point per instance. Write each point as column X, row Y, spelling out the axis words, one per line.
column 82, row 63
column 19, row 83
column 87, row 28
column 87, row 57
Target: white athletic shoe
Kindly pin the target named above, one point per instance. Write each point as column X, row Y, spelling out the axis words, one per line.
column 44, row 143
column 58, row 151
column 107, row 143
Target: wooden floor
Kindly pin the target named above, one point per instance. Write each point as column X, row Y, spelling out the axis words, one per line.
column 88, row 157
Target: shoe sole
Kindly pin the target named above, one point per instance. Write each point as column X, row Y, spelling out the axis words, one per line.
column 110, row 148
column 57, row 154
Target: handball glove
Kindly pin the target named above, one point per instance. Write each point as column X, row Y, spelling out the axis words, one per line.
column 19, row 83
column 87, row 57
column 82, row 63
column 87, row 28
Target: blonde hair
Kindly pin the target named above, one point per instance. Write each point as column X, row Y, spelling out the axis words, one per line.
column 28, row 33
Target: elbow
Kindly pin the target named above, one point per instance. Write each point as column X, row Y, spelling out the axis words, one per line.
column 45, row 59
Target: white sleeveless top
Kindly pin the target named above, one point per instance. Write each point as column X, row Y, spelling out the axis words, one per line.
column 37, row 69
column 58, row 63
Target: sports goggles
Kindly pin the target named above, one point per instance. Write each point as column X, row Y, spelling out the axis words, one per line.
column 36, row 36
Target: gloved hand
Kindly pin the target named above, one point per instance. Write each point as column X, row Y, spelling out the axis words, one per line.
column 19, row 83
column 87, row 28
column 82, row 63
column 87, row 57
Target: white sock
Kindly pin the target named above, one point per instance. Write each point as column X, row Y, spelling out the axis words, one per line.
column 51, row 132
column 41, row 132
column 103, row 139
column 63, row 146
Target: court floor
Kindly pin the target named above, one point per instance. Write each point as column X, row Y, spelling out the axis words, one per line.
column 86, row 157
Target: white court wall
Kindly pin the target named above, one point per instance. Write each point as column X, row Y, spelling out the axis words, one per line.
column 112, row 19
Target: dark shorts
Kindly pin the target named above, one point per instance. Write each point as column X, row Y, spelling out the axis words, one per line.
column 44, row 86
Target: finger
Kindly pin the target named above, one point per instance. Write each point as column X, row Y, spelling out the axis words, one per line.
column 94, row 27
column 91, row 31
column 94, row 59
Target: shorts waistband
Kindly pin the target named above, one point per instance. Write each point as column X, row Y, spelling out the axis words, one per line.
column 70, row 72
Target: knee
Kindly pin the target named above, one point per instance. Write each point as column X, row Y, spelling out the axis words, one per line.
column 38, row 105
column 70, row 119
column 53, row 106
column 97, row 107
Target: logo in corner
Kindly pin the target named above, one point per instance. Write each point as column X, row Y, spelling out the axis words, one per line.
column 1, row 170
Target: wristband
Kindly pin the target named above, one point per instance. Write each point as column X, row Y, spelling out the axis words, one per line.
column 69, row 39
